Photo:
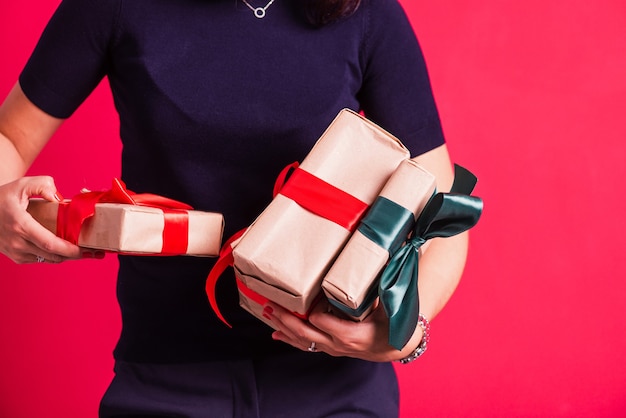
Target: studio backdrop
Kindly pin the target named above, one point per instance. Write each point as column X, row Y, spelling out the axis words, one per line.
column 532, row 97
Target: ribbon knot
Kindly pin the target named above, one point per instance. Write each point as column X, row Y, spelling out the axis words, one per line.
column 445, row 215
column 416, row 242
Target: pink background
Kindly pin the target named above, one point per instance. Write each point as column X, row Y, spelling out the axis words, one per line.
column 532, row 95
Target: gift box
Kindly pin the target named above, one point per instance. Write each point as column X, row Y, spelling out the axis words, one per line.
column 351, row 284
column 139, row 224
column 286, row 252
column 387, row 224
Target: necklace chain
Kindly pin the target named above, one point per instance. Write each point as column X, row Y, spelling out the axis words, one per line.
column 259, row 12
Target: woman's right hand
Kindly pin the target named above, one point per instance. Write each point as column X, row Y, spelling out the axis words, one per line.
column 22, row 238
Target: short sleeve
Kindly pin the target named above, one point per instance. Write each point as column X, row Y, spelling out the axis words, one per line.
column 396, row 91
column 70, row 58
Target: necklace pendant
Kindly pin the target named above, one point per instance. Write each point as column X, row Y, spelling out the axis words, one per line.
column 259, row 12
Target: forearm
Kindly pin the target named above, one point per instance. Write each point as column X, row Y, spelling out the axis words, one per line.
column 12, row 166
column 442, row 263
column 440, row 270
column 442, row 260
column 24, row 131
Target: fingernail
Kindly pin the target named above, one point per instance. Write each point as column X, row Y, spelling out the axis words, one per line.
column 86, row 254
column 58, row 197
column 99, row 255
column 266, row 316
column 267, row 310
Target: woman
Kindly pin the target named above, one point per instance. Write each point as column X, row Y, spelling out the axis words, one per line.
column 214, row 98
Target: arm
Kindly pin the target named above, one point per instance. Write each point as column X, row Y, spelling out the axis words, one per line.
column 442, row 264
column 24, row 131
column 440, row 271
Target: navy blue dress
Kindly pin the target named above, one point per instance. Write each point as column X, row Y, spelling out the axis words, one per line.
column 213, row 103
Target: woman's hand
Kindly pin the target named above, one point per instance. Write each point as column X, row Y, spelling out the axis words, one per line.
column 336, row 336
column 23, row 239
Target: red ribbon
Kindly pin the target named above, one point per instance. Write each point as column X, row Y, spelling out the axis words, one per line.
column 251, row 294
column 73, row 214
column 223, row 262
column 262, row 300
column 310, row 192
column 324, row 199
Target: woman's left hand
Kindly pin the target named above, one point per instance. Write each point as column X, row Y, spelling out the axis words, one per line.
column 367, row 340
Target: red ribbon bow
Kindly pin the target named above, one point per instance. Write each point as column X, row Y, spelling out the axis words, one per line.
column 75, row 213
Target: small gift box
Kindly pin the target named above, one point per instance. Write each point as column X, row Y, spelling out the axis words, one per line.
column 444, row 215
column 121, row 221
column 284, row 255
column 351, row 284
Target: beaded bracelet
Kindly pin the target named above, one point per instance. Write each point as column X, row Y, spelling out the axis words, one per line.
column 423, row 345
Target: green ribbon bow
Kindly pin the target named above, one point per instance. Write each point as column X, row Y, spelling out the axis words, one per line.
column 445, row 215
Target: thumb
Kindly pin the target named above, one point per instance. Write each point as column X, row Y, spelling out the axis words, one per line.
column 42, row 186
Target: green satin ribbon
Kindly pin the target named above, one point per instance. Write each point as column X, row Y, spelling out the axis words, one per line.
column 445, row 215
column 387, row 224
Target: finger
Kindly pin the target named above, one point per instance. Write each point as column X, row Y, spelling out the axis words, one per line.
column 323, row 319
column 19, row 246
column 55, row 258
column 366, row 338
column 41, row 186
column 47, row 244
column 29, row 253
column 39, row 259
column 284, row 321
column 295, row 331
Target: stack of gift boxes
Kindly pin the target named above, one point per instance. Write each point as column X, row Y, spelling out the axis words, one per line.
column 332, row 228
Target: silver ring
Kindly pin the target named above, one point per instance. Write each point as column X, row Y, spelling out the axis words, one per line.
column 312, row 348
column 40, row 259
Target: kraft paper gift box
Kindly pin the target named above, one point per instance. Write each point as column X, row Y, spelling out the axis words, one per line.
column 286, row 252
column 136, row 228
column 351, row 283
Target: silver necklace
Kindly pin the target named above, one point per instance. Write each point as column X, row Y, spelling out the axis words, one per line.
column 259, row 12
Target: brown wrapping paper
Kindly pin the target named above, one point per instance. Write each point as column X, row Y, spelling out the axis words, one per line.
column 135, row 229
column 286, row 252
column 358, row 266
column 255, row 308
